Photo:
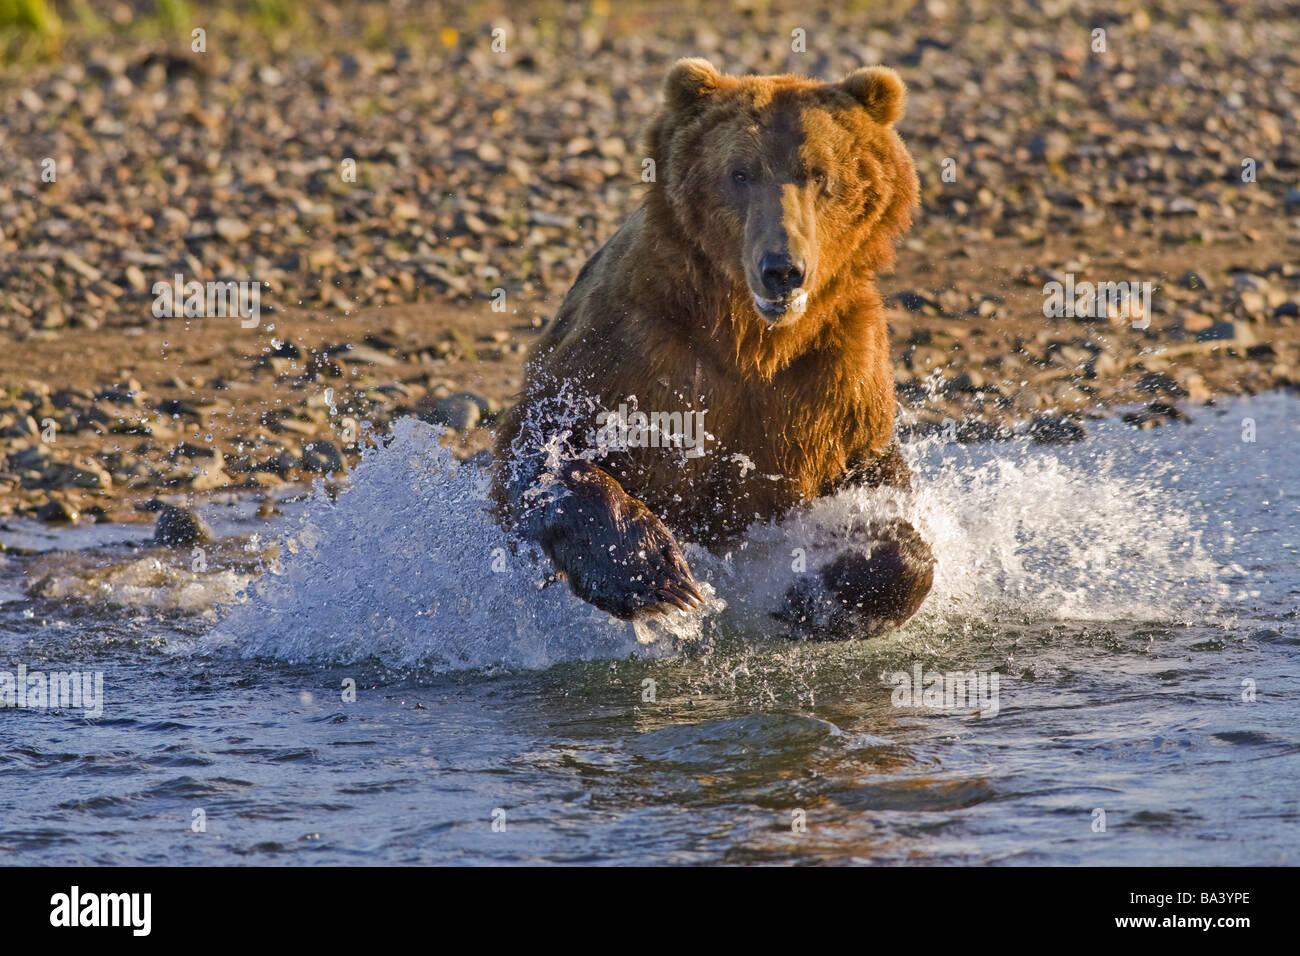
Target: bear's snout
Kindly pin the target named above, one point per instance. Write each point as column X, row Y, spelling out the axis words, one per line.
column 781, row 277
column 781, row 273
column 780, row 250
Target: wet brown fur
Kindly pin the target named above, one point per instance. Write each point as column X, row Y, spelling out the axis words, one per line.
column 664, row 312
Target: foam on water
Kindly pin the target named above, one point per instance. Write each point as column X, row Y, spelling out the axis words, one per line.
column 143, row 583
column 407, row 567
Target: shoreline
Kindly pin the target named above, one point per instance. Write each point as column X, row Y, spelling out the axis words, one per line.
column 196, row 408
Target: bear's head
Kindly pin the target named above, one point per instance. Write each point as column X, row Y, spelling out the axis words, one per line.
column 788, row 185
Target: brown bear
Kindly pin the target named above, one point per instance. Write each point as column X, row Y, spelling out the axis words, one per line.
column 740, row 298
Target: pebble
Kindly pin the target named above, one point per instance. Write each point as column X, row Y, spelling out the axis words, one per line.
column 57, row 511
column 1055, row 430
column 1227, row 331
column 458, row 412
column 181, row 526
column 1160, row 382
column 322, row 458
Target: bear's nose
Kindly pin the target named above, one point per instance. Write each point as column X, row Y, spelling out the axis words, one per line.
column 780, row 272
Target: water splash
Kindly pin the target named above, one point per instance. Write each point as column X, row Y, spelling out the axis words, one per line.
column 407, row 567
column 1083, row 532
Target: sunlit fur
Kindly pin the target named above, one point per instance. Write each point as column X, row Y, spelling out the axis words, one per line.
column 664, row 311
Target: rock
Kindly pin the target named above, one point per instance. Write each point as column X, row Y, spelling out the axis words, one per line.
column 1227, row 331
column 25, row 426
column 974, row 430
column 295, row 425
column 1055, row 430
column 209, row 473
column 1197, row 390
column 181, row 526
column 81, row 266
column 28, row 98
column 1171, row 412
column 281, row 464
column 57, row 511
column 1243, row 281
column 1053, row 146
column 34, row 457
column 68, row 397
column 1156, row 413
column 232, row 230
column 322, row 458
column 363, row 355
column 136, row 279
column 119, row 395
column 1253, row 303
column 968, row 381
column 85, row 474
column 277, row 364
column 1071, row 356
column 916, row 302
column 458, row 412
column 1182, row 206
column 187, row 449
column 1157, row 382
column 1194, row 322
column 262, row 479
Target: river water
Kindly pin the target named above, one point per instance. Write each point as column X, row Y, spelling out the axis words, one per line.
column 1134, row 597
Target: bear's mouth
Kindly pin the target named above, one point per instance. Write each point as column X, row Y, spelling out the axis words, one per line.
column 775, row 310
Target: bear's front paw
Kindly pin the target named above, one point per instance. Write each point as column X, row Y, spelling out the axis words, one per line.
column 863, row 593
column 888, row 583
column 615, row 552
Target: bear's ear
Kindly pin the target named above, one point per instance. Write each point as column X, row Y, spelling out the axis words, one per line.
column 688, row 82
column 879, row 89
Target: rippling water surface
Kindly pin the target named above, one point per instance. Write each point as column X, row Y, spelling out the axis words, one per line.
column 1131, row 594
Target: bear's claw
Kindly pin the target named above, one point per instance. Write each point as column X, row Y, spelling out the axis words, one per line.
column 614, row 551
column 684, row 596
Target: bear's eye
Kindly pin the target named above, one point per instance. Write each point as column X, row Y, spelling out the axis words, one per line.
column 818, row 177
column 739, row 177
